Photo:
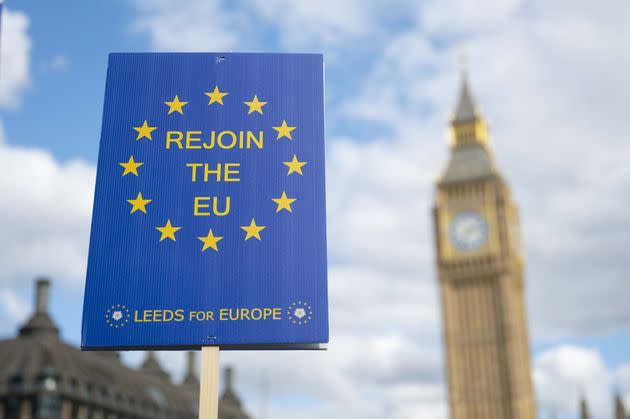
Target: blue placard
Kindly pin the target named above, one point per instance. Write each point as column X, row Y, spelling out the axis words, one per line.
column 209, row 212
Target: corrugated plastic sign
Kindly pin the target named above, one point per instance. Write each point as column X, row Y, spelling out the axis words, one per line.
column 209, row 212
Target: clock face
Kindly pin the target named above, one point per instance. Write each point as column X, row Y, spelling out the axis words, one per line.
column 469, row 230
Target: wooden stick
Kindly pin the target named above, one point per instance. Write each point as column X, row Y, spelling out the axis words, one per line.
column 209, row 391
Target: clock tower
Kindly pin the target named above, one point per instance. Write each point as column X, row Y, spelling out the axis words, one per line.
column 480, row 271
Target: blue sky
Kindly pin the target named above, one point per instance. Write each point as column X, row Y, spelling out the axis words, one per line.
column 67, row 103
column 550, row 79
column 85, row 33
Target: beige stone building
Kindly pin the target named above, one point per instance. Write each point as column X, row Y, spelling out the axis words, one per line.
column 480, row 270
column 43, row 377
column 480, row 267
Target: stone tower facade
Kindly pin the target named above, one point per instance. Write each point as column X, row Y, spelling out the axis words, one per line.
column 480, row 269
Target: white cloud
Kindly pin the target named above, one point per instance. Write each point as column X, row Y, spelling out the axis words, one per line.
column 13, row 307
column 46, row 204
column 44, row 216
column 551, row 82
column 58, row 63
column 201, row 25
column 459, row 17
column 565, row 374
column 556, row 112
column 187, row 26
column 386, row 381
column 382, row 357
column 322, row 23
column 15, row 48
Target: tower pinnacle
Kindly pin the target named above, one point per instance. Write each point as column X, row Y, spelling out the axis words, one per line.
column 40, row 322
column 190, row 379
column 466, row 109
column 467, row 125
column 620, row 410
column 152, row 366
column 584, row 411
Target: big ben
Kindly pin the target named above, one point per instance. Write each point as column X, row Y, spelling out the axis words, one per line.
column 480, row 271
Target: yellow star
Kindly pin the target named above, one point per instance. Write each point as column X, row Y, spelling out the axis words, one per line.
column 253, row 230
column 215, row 96
column 131, row 167
column 138, row 204
column 284, row 202
column 210, row 241
column 255, row 105
column 168, row 231
column 284, row 131
column 144, row 131
column 295, row 166
column 176, row 106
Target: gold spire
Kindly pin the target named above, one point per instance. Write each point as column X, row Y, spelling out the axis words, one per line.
column 467, row 125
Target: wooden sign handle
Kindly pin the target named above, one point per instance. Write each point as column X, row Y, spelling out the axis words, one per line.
column 209, row 391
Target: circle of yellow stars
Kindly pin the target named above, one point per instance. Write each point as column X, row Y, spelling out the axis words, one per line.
column 117, row 316
column 211, row 240
column 300, row 312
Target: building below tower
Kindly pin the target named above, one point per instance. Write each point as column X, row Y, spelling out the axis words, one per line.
column 42, row 377
column 620, row 409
